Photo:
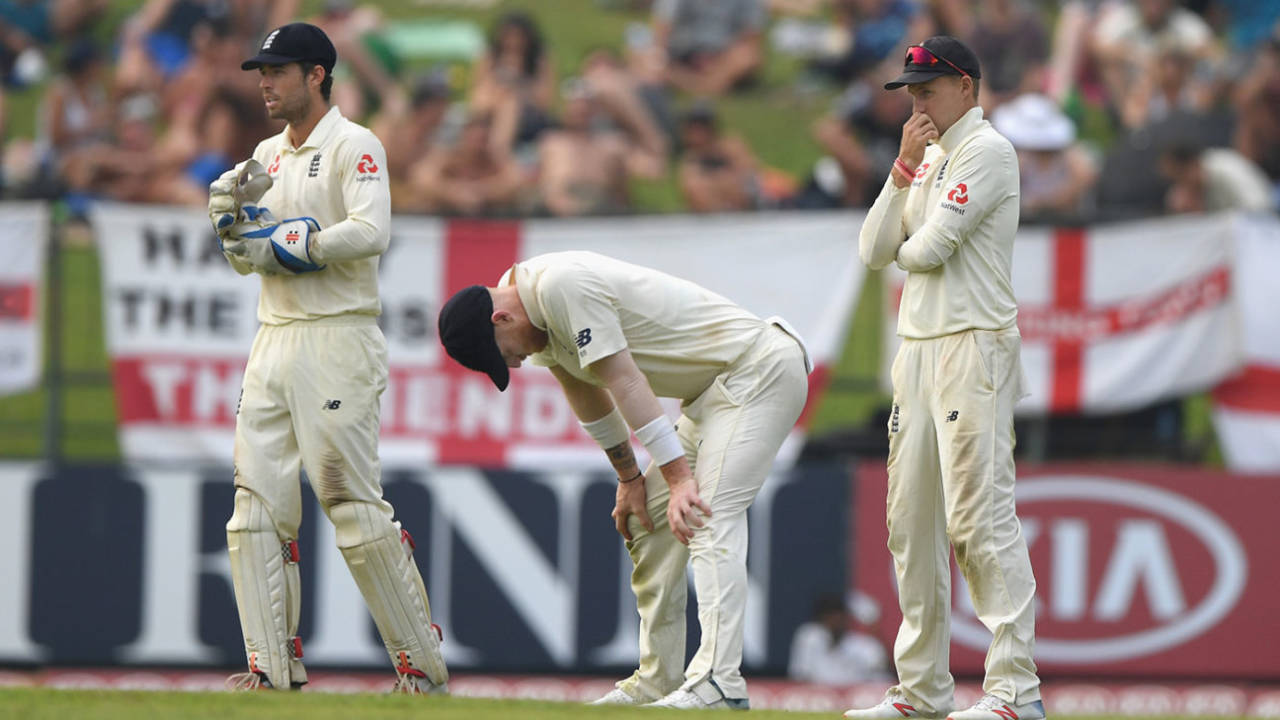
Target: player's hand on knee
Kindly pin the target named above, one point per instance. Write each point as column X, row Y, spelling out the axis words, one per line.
column 630, row 501
column 686, row 510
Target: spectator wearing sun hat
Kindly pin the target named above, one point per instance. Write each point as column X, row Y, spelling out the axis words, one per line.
column 1057, row 174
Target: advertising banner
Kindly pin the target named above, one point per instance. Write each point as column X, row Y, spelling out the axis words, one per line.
column 1141, row 570
column 24, row 238
column 128, row 566
column 180, row 323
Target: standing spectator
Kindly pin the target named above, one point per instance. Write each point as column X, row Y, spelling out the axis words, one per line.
column 704, row 47
column 75, row 117
column 834, row 648
column 471, row 178
column 514, row 82
column 1056, row 175
column 1213, row 179
column 1012, row 43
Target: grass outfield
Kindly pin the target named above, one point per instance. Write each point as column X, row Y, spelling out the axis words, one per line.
column 42, row 703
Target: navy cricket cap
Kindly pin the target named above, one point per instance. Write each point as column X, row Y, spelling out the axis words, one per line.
column 466, row 331
column 294, row 42
column 939, row 55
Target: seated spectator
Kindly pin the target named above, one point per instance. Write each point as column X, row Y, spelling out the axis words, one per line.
column 1129, row 36
column 76, row 113
column 1012, row 44
column 514, row 83
column 1056, row 174
column 702, row 48
column 862, row 136
column 641, row 112
column 1213, row 179
column 718, row 173
column 470, row 178
column 414, row 132
column 1170, row 87
column 875, row 31
column 583, row 171
column 1257, row 105
column 834, row 648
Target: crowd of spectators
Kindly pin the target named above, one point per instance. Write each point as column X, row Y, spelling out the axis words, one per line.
column 1116, row 107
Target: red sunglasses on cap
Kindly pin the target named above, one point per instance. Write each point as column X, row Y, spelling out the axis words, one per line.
column 920, row 55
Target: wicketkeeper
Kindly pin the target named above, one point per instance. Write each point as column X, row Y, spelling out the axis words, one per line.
column 316, row 371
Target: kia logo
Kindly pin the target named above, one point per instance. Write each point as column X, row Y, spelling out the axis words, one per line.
column 1139, row 577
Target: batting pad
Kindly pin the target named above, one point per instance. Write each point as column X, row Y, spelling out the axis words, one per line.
column 264, row 571
column 384, row 570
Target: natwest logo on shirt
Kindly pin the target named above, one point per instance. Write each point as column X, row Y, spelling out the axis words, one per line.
column 366, row 164
column 274, row 167
column 959, row 194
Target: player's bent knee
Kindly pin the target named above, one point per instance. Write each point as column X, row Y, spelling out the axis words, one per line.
column 250, row 513
column 360, row 523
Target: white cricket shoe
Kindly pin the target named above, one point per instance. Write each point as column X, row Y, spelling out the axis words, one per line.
column 415, row 682
column 991, row 707
column 616, row 696
column 895, row 706
column 703, row 696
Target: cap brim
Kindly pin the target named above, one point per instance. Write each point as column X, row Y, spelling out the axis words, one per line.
column 261, row 59
column 915, row 77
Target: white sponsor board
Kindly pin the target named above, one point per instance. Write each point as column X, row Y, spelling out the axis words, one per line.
column 180, row 323
column 24, row 237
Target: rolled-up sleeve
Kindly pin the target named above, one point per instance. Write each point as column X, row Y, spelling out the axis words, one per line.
column 882, row 232
column 366, row 230
column 981, row 176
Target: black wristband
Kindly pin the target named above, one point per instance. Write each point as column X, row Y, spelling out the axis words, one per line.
column 637, row 476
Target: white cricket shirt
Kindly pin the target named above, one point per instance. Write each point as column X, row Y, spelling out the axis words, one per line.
column 681, row 335
column 339, row 177
column 952, row 230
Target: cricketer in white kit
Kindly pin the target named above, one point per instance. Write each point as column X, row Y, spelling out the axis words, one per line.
column 312, row 386
column 617, row 336
column 947, row 215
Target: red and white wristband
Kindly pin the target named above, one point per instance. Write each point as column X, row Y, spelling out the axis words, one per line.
column 903, row 169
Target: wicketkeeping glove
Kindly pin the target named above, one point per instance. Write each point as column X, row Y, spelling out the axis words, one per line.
column 273, row 246
column 244, row 184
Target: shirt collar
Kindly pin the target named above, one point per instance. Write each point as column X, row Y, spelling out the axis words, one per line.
column 961, row 129
column 524, row 281
column 319, row 134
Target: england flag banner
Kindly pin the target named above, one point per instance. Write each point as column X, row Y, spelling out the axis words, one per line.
column 24, row 237
column 1247, row 405
column 180, row 324
column 1114, row 317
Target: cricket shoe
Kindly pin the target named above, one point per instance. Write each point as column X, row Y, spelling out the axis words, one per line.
column 244, row 681
column 703, row 696
column 617, row 696
column 991, row 707
column 415, row 682
column 895, row 706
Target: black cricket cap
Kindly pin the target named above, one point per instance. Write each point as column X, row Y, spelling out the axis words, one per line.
column 295, row 42
column 466, row 331
column 945, row 49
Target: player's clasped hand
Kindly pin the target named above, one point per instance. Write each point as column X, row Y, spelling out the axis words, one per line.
column 916, row 134
column 683, row 510
column 630, row 501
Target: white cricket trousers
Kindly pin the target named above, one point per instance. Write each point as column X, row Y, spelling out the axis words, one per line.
column 312, row 397
column 951, row 477
column 731, row 434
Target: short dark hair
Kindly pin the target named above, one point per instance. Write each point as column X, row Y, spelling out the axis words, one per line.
column 977, row 85
column 326, row 85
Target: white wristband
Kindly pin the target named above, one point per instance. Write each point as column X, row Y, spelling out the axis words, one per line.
column 660, row 439
column 609, row 431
